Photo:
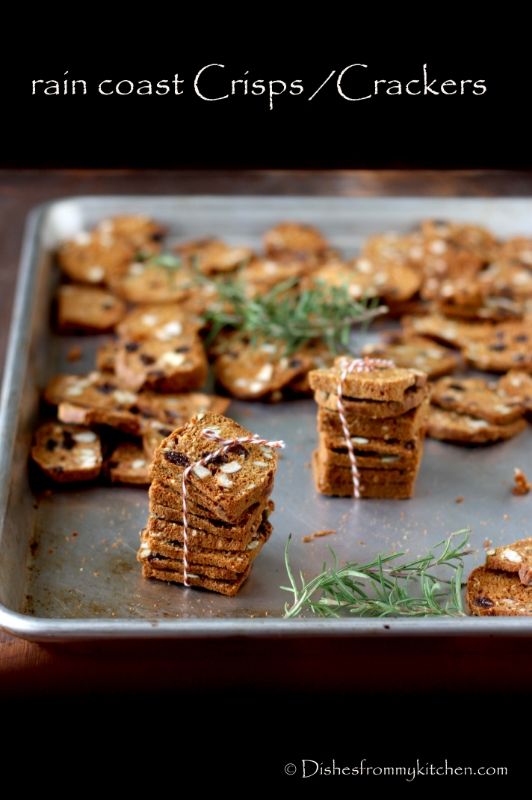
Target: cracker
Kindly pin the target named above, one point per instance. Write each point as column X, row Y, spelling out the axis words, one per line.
column 364, row 277
column 150, row 282
column 262, row 274
column 256, row 371
column 449, row 331
column 87, row 309
column 508, row 346
column 494, row 309
column 213, row 257
column 228, row 588
column 374, row 409
column 401, row 428
column 176, row 409
column 167, row 504
column 171, row 366
column 91, row 258
column 475, row 397
column 93, row 399
column 294, row 237
column 339, row 483
column 417, row 352
column 392, row 249
column 493, row 593
column 207, row 532
column 397, row 457
column 236, row 561
column 516, row 557
column 67, row 453
column 139, row 231
column 451, row 426
column 474, row 239
column 155, row 321
column 128, row 464
column 383, row 383
column 508, row 277
column 518, row 385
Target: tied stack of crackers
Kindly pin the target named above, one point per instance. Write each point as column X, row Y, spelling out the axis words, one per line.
column 227, row 505
column 385, row 410
column 503, row 586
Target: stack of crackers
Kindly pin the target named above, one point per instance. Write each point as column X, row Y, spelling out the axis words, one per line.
column 386, row 412
column 503, row 586
column 227, row 505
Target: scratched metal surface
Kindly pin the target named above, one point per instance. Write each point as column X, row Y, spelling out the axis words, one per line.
column 67, row 560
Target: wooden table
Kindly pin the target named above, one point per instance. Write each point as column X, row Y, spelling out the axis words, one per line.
column 415, row 664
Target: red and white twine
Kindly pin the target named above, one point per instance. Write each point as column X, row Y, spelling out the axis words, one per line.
column 225, row 445
column 355, row 365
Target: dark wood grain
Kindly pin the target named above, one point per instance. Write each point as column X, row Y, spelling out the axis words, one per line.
column 416, row 664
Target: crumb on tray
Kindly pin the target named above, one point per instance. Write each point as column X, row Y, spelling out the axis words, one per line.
column 521, row 483
column 317, row 535
column 75, row 353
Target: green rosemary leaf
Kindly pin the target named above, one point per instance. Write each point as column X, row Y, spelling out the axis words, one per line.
column 287, row 565
column 295, row 317
column 385, row 586
column 456, row 588
column 166, row 260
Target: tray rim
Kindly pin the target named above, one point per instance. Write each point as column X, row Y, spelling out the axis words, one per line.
column 45, row 629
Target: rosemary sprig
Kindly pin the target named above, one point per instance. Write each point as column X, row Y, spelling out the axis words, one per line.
column 325, row 313
column 386, row 586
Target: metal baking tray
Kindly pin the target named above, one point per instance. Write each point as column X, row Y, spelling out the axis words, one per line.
column 67, row 561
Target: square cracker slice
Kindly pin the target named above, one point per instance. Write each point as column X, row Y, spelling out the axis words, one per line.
column 382, row 383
